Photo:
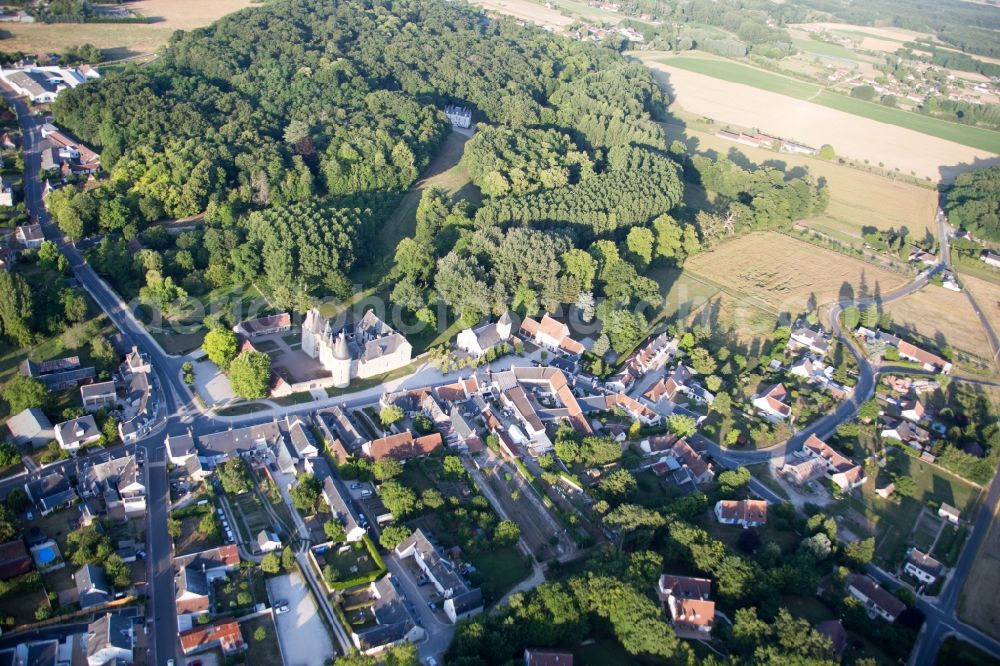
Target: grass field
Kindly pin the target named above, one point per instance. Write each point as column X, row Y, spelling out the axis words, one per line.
column 446, row 172
column 782, row 274
column 979, row 603
column 825, row 48
column 857, row 198
column 943, row 316
column 118, row 40
column 265, row 651
column 737, row 73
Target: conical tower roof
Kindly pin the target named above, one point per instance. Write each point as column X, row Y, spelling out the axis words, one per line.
column 340, row 350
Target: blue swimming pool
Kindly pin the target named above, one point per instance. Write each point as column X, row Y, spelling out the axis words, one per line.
column 45, row 555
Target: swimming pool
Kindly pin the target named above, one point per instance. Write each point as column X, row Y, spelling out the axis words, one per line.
column 45, row 555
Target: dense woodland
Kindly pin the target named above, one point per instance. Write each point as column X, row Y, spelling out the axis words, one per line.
column 296, row 128
column 968, row 26
column 974, row 202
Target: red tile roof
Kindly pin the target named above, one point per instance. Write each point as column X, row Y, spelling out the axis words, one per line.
column 403, row 446
column 747, row 510
column 14, row 559
column 547, row 658
column 226, row 634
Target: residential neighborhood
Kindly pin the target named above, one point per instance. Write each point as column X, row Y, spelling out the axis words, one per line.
column 426, row 333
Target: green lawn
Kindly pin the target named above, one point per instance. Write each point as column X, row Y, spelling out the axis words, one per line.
column 500, row 569
column 825, row 48
column 265, row 651
column 730, row 71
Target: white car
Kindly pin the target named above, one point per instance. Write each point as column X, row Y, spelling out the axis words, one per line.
column 281, row 610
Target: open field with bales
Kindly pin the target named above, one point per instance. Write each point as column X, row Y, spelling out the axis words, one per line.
column 794, row 118
column 943, row 316
column 783, row 274
column 119, row 40
column 857, row 198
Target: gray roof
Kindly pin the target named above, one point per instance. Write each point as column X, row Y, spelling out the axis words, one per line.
column 390, row 614
column 180, row 445
column 439, row 568
column 229, row 442
column 29, row 423
column 380, row 347
column 91, row 585
column 467, row 601
column 301, row 437
column 192, row 579
column 77, row 430
column 339, row 506
column 51, row 490
column 97, row 390
column 109, row 630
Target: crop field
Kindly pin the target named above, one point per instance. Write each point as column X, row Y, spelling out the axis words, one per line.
column 788, row 115
column 121, row 40
column 536, row 12
column 857, row 198
column 987, row 295
column 943, row 316
column 825, row 48
column 782, row 274
column 979, row 603
column 737, row 73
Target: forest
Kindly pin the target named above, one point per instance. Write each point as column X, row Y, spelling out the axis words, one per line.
column 974, row 202
column 968, row 26
column 296, row 127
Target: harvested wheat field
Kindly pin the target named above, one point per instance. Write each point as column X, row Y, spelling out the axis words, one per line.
column 527, row 10
column 987, row 295
column 736, row 319
column 121, row 40
column 941, row 315
column 850, row 135
column 979, row 603
column 857, row 198
column 784, row 274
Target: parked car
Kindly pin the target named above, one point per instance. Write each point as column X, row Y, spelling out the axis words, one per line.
column 356, row 486
column 280, row 610
column 366, row 493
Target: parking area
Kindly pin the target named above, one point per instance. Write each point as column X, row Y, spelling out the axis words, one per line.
column 303, row 637
column 211, row 383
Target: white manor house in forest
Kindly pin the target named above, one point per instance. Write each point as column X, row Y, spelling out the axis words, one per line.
column 364, row 349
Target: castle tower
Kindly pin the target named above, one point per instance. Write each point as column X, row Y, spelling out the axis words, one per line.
column 341, row 366
column 503, row 327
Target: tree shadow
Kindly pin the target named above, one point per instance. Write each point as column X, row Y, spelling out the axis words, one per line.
column 846, row 291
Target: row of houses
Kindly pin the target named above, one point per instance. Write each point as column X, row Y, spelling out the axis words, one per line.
column 817, row 459
column 907, row 351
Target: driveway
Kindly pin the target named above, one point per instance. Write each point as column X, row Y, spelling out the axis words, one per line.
column 304, row 640
column 439, row 630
